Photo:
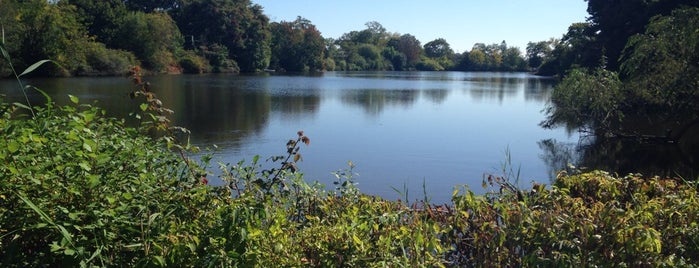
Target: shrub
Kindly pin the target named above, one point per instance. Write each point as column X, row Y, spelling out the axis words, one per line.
column 193, row 64
column 104, row 61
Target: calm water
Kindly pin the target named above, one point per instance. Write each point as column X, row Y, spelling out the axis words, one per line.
column 398, row 128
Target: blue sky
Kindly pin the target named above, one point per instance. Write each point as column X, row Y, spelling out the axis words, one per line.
column 461, row 22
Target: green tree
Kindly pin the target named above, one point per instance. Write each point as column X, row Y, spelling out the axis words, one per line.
column 397, row 60
column 410, row 47
column 578, row 48
column 238, row 25
column 50, row 31
column 589, row 100
column 102, row 18
column 614, row 22
column 512, row 60
column 438, row 48
column 152, row 5
column 539, row 52
column 153, row 37
column 372, row 56
column 297, row 46
column 661, row 67
column 476, row 60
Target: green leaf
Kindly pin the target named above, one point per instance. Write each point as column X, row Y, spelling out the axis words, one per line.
column 87, row 147
column 160, row 260
column 33, row 67
column 144, row 106
column 21, row 105
column 85, row 166
column 73, row 99
column 94, row 180
column 46, row 95
column 4, row 52
column 13, row 146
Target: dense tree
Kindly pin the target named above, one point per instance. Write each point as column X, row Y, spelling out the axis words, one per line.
column 657, row 90
column 539, row 52
column 153, row 37
column 238, row 25
column 409, row 46
column 438, row 48
column 579, row 47
column 493, row 57
column 49, row 31
column 396, row 60
column 152, row 5
column 615, row 21
column 102, row 18
column 440, row 55
column 296, row 46
column 512, row 60
column 255, row 53
column 661, row 67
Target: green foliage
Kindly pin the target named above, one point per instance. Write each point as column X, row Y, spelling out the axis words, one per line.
column 428, row 64
column 42, row 30
column 103, row 61
column 152, row 37
column 493, row 57
column 438, row 48
column 538, row 53
column 239, row 26
column 657, row 86
column 296, row 46
column 614, row 22
column 101, row 18
column 662, row 66
column 192, row 63
column 585, row 99
column 82, row 189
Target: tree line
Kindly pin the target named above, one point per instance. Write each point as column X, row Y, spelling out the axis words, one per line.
column 106, row 37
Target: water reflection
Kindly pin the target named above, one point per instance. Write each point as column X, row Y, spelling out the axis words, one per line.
column 374, row 101
column 538, row 89
column 436, row 96
column 447, row 128
column 624, row 156
column 557, row 155
column 292, row 107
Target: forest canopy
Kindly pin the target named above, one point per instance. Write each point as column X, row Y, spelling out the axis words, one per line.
column 105, row 37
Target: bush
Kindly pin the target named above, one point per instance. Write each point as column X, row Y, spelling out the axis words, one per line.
column 193, row 64
column 81, row 189
column 104, row 61
column 427, row 64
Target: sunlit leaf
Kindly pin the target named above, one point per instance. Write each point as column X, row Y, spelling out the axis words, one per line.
column 5, row 55
column 73, row 99
column 21, row 106
column 87, row 147
column 85, row 166
column 143, row 106
column 33, row 67
column 13, row 146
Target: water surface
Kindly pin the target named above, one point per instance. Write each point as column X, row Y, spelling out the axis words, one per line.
column 400, row 129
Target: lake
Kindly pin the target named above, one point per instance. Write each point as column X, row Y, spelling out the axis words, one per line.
column 400, row 129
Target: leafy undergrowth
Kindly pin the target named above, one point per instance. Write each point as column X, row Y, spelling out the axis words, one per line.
column 81, row 189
